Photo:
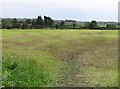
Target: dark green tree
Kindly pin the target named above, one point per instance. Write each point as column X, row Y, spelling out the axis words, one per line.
column 74, row 25
column 28, row 23
column 39, row 22
column 62, row 24
column 48, row 22
column 45, row 21
column 24, row 26
column 57, row 26
column 33, row 23
column 6, row 23
column 93, row 25
column 15, row 23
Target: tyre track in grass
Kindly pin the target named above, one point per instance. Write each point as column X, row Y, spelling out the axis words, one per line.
column 77, row 59
column 69, row 55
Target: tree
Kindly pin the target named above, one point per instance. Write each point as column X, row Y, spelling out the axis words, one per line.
column 51, row 23
column 45, row 21
column 93, row 25
column 48, row 22
column 74, row 25
column 28, row 23
column 6, row 23
column 111, row 26
column 24, row 26
column 86, row 25
column 62, row 24
column 15, row 23
column 57, row 26
column 39, row 22
column 34, row 23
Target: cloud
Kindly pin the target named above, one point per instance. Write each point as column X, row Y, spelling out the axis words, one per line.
column 84, row 4
column 106, row 9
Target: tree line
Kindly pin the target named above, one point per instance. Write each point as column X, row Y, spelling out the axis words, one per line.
column 48, row 22
column 38, row 23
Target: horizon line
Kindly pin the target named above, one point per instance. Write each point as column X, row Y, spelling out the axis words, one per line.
column 59, row 19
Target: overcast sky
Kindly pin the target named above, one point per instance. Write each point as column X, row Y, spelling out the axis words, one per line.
column 82, row 10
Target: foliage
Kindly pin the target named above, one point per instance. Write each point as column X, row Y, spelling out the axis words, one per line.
column 48, row 22
column 15, row 23
column 111, row 26
column 39, row 22
column 6, row 23
column 92, row 25
column 62, row 24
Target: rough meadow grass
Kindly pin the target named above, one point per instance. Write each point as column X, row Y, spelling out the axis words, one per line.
column 38, row 58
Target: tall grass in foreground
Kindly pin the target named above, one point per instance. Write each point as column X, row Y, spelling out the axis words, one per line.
column 26, row 73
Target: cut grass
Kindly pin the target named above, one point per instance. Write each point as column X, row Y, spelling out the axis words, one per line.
column 62, row 57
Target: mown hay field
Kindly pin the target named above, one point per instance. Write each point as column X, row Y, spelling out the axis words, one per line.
column 53, row 58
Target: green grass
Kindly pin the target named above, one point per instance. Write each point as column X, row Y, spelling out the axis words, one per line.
column 0, row 58
column 60, row 58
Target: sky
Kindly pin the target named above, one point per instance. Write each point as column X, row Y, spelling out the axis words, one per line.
column 80, row 10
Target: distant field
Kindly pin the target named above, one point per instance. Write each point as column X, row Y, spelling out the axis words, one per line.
column 80, row 58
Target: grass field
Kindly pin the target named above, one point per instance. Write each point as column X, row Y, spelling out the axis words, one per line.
column 41, row 58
